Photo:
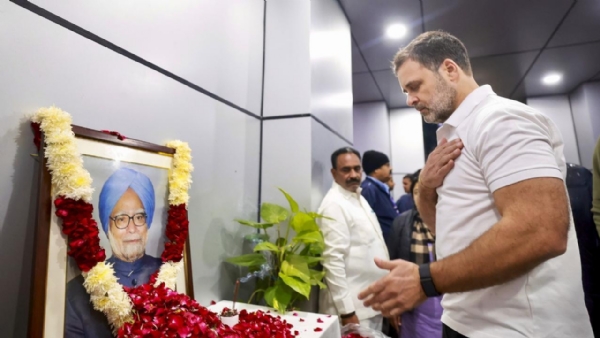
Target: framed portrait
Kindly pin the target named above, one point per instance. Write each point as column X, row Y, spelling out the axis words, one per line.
column 130, row 201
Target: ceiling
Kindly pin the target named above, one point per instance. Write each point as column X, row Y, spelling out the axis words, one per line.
column 512, row 43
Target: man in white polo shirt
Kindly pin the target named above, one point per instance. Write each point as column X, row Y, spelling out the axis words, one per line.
column 493, row 192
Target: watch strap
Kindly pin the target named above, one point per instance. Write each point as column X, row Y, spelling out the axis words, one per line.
column 427, row 281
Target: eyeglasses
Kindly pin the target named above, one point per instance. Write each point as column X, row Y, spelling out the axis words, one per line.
column 122, row 221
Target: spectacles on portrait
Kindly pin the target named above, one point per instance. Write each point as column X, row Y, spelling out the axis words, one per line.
column 122, row 221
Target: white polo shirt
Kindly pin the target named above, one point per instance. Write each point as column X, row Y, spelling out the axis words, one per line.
column 505, row 142
column 353, row 240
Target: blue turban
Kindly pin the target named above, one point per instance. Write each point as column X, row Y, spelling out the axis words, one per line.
column 116, row 185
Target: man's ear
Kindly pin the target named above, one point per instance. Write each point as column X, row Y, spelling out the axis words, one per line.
column 450, row 70
column 333, row 172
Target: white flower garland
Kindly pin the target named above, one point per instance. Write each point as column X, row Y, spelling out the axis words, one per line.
column 70, row 179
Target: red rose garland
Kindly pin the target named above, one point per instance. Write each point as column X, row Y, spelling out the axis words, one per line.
column 177, row 233
column 82, row 231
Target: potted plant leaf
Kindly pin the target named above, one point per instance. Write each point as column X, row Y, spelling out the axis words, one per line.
column 292, row 258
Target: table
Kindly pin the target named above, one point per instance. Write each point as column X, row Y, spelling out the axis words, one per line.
column 306, row 328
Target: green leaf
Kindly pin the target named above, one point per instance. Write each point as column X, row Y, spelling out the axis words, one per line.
column 316, row 278
column 305, row 259
column 316, row 248
column 298, row 220
column 266, row 246
column 297, row 269
column 305, row 251
column 296, row 284
column 315, row 216
column 309, row 237
column 293, row 204
column 273, row 213
column 312, row 261
column 255, row 224
column 279, row 296
column 302, row 222
column 247, row 260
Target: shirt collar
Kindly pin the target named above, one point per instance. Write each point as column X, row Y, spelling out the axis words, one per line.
column 468, row 105
column 382, row 185
column 122, row 266
column 347, row 194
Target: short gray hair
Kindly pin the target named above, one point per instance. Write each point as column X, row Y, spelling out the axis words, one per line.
column 431, row 49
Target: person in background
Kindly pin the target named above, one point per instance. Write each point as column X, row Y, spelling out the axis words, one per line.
column 406, row 201
column 391, row 184
column 596, row 184
column 353, row 240
column 493, row 192
column 376, row 191
column 580, row 187
column 412, row 240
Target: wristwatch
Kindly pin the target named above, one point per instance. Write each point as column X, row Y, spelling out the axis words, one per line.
column 427, row 282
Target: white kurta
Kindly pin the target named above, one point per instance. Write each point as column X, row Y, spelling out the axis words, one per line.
column 353, row 240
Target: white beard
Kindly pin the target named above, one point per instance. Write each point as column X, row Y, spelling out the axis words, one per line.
column 127, row 252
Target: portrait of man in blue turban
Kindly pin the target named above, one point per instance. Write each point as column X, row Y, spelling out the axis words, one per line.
column 126, row 210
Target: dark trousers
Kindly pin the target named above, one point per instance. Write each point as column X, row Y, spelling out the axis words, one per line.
column 449, row 333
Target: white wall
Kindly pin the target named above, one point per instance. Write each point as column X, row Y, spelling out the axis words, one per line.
column 180, row 37
column 558, row 109
column 287, row 58
column 408, row 153
column 43, row 63
column 372, row 127
column 308, row 51
column 286, row 160
column 593, row 101
column 319, row 31
column 585, row 107
column 331, row 67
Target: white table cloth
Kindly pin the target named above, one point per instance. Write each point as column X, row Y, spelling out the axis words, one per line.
column 306, row 328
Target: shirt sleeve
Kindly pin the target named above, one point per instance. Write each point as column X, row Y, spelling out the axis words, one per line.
column 513, row 146
column 337, row 245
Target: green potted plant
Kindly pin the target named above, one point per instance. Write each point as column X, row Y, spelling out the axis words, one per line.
column 291, row 257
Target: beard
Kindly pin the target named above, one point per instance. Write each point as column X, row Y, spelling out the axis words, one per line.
column 442, row 106
column 125, row 251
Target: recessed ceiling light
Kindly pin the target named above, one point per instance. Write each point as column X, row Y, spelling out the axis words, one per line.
column 396, row 31
column 552, row 79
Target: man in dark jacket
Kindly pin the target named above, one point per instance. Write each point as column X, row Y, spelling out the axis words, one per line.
column 579, row 186
column 375, row 190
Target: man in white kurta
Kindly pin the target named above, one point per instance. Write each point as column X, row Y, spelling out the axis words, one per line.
column 353, row 240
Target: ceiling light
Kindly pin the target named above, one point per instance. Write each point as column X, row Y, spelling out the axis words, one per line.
column 396, row 31
column 552, row 79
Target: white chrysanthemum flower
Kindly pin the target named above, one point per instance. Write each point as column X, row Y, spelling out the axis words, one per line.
column 168, row 274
